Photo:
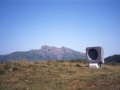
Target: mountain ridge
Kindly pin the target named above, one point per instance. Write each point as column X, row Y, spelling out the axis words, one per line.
column 45, row 53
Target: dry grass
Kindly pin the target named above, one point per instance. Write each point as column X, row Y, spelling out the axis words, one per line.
column 53, row 75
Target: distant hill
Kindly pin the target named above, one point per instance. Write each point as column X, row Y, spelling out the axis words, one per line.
column 113, row 59
column 45, row 53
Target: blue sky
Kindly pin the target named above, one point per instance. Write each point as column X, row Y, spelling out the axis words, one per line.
column 26, row 25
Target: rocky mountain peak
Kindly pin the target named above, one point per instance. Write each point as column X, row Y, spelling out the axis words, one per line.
column 45, row 53
column 45, row 47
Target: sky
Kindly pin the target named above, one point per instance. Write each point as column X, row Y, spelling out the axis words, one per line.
column 29, row 24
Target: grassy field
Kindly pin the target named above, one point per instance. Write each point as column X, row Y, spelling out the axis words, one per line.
column 58, row 75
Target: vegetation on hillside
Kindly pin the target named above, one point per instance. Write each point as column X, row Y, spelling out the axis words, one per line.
column 58, row 75
column 115, row 59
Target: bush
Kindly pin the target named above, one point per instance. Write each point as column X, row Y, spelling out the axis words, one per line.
column 8, row 66
column 78, row 60
column 12, row 66
column 2, row 71
column 78, row 65
column 112, row 63
column 59, row 60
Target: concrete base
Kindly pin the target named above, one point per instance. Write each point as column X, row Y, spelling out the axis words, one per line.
column 94, row 65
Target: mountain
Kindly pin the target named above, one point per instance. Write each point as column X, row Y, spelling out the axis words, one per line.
column 113, row 59
column 45, row 53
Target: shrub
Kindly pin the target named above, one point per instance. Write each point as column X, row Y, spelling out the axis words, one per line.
column 78, row 60
column 78, row 65
column 59, row 60
column 2, row 71
column 8, row 66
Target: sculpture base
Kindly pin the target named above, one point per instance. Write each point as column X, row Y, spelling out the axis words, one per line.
column 94, row 65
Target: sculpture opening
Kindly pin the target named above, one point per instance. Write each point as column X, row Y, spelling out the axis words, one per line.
column 93, row 54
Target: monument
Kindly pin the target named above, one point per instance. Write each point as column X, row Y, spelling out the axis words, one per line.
column 95, row 56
